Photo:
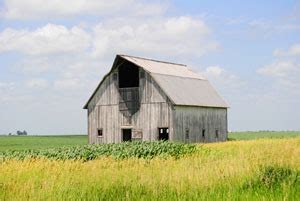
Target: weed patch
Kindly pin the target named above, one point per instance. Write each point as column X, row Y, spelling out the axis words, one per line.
column 273, row 177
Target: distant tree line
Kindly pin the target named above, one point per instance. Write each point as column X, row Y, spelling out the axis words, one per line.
column 19, row 133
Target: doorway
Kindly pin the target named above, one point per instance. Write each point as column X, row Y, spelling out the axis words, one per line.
column 126, row 135
column 163, row 133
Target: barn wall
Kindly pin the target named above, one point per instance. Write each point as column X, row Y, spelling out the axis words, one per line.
column 154, row 111
column 107, row 95
column 194, row 119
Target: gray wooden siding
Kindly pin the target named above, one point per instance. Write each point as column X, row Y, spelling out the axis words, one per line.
column 107, row 94
column 104, row 111
column 195, row 119
column 155, row 110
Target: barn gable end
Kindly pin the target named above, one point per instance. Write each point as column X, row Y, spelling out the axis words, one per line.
column 107, row 109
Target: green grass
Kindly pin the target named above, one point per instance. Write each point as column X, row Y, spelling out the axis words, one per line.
column 252, row 135
column 40, row 142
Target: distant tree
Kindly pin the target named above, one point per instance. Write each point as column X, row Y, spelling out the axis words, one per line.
column 21, row 133
column 9, row 133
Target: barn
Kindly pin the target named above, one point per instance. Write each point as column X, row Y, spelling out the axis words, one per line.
column 143, row 99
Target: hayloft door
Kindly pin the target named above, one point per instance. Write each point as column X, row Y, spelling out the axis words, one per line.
column 163, row 133
column 126, row 135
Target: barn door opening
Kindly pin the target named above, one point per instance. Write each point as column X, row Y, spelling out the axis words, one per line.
column 163, row 133
column 126, row 135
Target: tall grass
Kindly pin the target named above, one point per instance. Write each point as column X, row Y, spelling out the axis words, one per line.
column 265, row 169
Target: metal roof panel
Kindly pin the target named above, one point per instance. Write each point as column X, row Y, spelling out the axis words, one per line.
column 165, row 68
column 189, row 91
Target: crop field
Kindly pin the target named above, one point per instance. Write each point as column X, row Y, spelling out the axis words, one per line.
column 252, row 135
column 40, row 142
column 258, row 169
column 44, row 142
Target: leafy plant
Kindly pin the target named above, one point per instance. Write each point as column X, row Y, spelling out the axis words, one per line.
column 146, row 150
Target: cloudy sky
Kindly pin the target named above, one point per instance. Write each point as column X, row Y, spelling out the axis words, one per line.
column 53, row 53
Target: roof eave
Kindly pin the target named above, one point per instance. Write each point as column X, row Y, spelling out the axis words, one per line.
column 207, row 106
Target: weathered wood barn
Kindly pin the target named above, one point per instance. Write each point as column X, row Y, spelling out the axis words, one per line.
column 145, row 99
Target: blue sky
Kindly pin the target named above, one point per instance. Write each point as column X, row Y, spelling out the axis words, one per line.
column 53, row 54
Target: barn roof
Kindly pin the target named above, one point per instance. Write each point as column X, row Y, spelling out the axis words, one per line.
column 161, row 67
column 180, row 84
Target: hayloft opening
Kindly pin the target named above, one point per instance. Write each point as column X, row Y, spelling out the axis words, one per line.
column 128, row 75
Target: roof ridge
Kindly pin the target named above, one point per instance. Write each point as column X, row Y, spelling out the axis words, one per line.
column 196, row 78
column 153, row 60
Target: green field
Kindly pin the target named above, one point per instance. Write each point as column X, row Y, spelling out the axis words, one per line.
column 40, row 142
column 246, row 168
column 43, row 142
column 252, row 135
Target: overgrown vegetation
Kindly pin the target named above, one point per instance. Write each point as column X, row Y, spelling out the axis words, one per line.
column 263, row 169
column 273, row 177
column 147, row 150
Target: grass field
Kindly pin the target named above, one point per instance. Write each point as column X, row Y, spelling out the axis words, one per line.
column 40, row 142
column 251, row 135
column 258, row 169
column 43, row 142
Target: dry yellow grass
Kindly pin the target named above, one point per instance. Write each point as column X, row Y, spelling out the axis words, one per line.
column 215, row 171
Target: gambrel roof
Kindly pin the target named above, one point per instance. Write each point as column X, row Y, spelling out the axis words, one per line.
column 180, row 84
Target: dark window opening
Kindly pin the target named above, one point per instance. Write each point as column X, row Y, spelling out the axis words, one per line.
column 128, row 75
column 217, row 133
column 163, row 133
column 100, row 132
column 187, row 133
column 126, row 135
column 203, row 133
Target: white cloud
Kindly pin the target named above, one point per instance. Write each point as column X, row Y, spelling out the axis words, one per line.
column 49, row 39
column 222, row 78
column 280, row 69
column 5, row 91
column 268, row 27
column 37, row 83
column 228, row 84
column 286, row 75
column 184, row 36
column 7, row 85
column 161, row 36
column 67, row 84
column 294, row 50
column 33, row 65
column 37, row 9
column 215, row 71
column 264, row 28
